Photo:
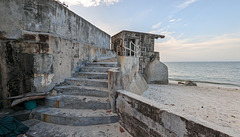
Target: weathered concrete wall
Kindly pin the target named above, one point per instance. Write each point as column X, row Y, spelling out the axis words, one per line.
column 16, row 73
column 48, row 16
column 41, row 43
column 157, row 72
column 37, row 65
column 64, row 57
column 143, row 118
column 131, row 80
column 129, row 67
column 138, row 85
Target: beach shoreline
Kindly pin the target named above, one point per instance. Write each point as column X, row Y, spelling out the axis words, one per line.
column 217, row 106
column 201, row 84
column 220, row 74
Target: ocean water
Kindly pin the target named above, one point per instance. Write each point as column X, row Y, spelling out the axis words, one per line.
column 219, row 73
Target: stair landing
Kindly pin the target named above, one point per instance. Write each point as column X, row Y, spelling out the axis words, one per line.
column 43, row 129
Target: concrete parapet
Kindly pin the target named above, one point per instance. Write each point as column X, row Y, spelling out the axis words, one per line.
column 48, row 16
column 145, row 118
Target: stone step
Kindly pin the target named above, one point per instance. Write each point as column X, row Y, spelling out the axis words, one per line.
column 91, row 75
column 77, row 102
column 81, row 90
column 103, row 83
column 43, row 129
column 95, row 69
column 102, row 64
column 75, row 117
column 107, row 60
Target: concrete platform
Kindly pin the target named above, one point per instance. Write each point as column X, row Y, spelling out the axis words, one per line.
column 75, row 117
column 81, row 90
column 77, row 102
column 87, row 82
column 43, row 129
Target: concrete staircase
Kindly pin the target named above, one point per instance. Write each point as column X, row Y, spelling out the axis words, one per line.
column 82, row 101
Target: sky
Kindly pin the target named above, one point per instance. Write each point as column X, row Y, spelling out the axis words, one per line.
column 195, row 30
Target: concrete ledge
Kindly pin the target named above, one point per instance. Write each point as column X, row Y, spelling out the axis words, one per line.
column 87, row 82
column 81, row 90
column 143, row 117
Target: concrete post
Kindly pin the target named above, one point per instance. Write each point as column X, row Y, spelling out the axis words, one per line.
column 114, row 84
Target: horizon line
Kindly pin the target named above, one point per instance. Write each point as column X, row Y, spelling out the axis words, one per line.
column 201, row 61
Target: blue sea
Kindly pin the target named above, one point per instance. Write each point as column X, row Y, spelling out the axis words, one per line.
column 219, row 73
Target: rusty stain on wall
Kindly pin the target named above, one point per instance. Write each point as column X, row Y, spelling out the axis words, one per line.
column 57, row 104
column 46, row 118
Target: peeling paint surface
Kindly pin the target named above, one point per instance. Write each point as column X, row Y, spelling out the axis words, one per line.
column 46, row 79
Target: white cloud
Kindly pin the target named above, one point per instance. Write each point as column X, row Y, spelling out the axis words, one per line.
column 172, row 20
column 162, row 30
column 186, row 4
column 89, row 3
column 179, row 8
column 175, row 20
column 157, row 25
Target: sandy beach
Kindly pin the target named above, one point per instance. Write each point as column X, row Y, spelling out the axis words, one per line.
column 209, row 105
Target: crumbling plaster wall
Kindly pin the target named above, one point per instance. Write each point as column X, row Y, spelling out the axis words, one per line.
column 41, row 43
column 145, row 118
column 129, row 67
column 132, row 81
column 125, row 78
column 16, row 73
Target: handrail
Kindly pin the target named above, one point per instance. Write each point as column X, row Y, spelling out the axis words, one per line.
column 135, row 49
